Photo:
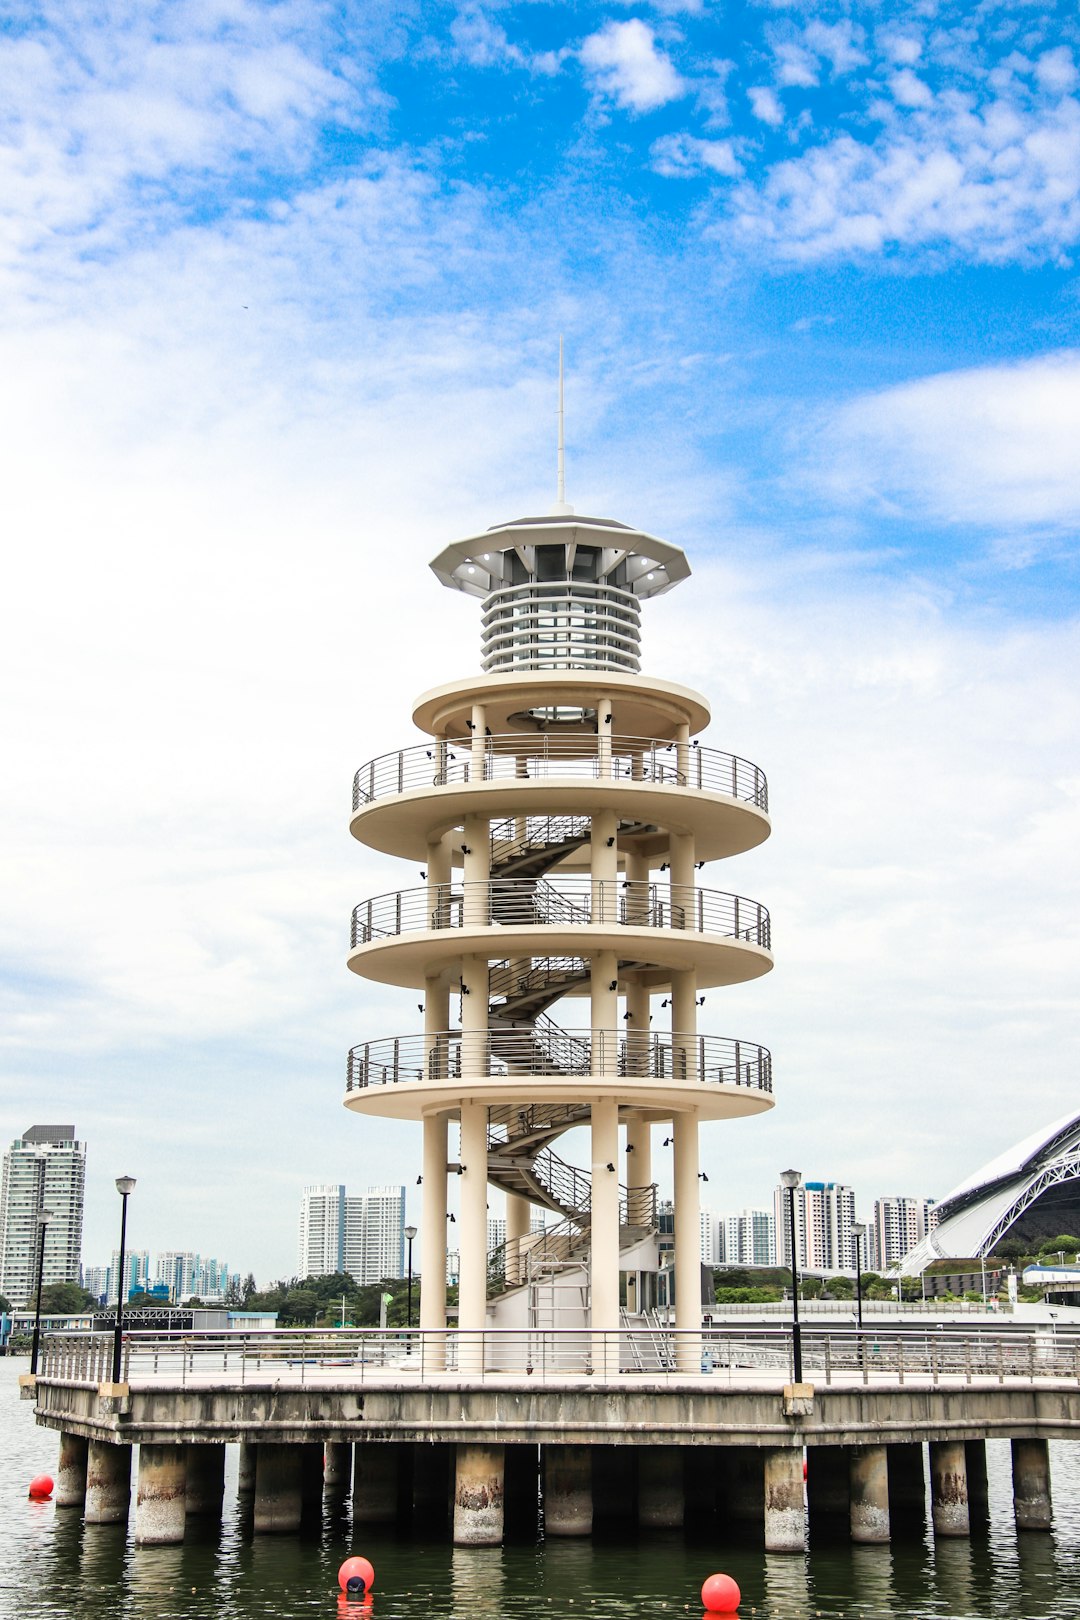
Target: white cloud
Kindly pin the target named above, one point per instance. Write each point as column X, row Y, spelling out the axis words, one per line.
column 622, row 61
column 682, row 156
column 1056, row 70
column 909, row 90
column 840, row 44
column 994, row 446
column 765, row 104
column 481, row 41
column 795, row 66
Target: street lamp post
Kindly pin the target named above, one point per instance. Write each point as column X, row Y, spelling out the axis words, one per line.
column 44, row 1217
column 791, row 1179
column 858, row 1232
column 125, row 1186
column 410, row 1233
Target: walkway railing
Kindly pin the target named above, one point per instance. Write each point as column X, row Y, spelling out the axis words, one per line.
column 523, row 757
column 525, row 903
column 761, row 1358
column 711, row 1060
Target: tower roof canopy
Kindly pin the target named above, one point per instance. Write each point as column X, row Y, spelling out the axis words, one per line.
column 509, row 553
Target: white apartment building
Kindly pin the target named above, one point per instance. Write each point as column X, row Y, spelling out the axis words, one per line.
column 322, row 1231
column 750, row 1238
column 899, row 1224
column 44, row 1169
column 824, row 1213
column 359, row 1233
column 136, row 1271
column 712, row 1238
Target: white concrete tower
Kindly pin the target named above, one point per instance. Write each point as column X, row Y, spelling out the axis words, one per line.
column 560, row 807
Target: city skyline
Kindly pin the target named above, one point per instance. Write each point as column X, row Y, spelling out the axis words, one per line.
column 287, row 319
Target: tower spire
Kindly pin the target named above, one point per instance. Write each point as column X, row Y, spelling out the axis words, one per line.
column 560, row 509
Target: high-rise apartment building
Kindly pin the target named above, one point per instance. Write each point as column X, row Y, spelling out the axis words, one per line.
column 824, row 1213
column 750, row 1238
column 899, row 1224
column 362, row 1233
column 44, row 1169
column 712, row 1238
column 136, row 1273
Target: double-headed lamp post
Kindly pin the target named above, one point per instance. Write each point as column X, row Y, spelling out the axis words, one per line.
column 791, row 1179
column 858, row 1232
column 125, row 1186
column 410, row 1233
column 44, row 1217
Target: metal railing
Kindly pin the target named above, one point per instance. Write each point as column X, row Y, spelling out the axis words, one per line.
column 712, row 1060
column 518, row 903
column 741, row 1358
column 525, row 757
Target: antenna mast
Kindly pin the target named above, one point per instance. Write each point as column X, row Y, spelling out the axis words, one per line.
column 560, row 509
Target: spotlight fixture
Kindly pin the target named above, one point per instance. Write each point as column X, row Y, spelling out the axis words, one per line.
column 465, row 850
column 610, row 842
column 614, row 985
column 667, row 1141
column 610, row 1167
column 419, row 1181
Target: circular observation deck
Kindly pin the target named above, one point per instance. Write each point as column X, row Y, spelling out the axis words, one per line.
column 655, row 1075
column 403, row 799
column 403, row 938
column 563, row 703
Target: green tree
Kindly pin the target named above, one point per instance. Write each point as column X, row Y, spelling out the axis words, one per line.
column 841, row 1287
column 65, row 1299
column 1060, row 1245
column 5, row 1304
column 247, row 1290
column 143, row 1298
column 810, row 1288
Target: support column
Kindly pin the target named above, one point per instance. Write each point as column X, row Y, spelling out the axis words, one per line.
column 245, row 1474
column 661, row 1497
column 869, row 1494
column 478, row 1496
column 604, row 1238
column 476, row 855
column 108, row 1483
column 472, row 1225
column 948, row 1488
column 567, row 1490
column 978, row 1484
column 205, row 1479
column 687, row 1244
column 433, row 1241
column 70, row 1490
column 518, row 1220
column 337, row 1467
column 639, row 1172
column 278, row 1498
column 785, row 1507
column 1031, row 1484
column 161, row 1496
column 375, row 1482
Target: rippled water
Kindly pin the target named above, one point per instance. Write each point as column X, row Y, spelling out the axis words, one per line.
column 51, row 1565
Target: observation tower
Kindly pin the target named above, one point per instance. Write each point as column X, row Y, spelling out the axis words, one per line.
column 561, row 807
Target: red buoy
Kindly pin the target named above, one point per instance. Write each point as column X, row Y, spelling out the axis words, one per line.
column 352, row 1573
column 721, row 1594
column 41, row 1488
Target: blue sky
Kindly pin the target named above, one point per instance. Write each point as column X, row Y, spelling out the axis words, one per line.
column 281, row 292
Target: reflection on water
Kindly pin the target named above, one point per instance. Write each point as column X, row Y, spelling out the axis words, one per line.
column 52, row 1567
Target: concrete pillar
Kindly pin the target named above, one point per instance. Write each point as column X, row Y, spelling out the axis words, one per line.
column 311, row 1480
column 108, row 1483
column 476, row 848
column 604, row 1013
column 161, row 1496
column 472, row 1233
column 431, row 1485
column 604, row 1236
column 785, row 1508
column 278, row 1496
column 661, row 1500
column 828, row 1490
column 245, row 1473
column 948, row 1488
column 478, row 1496
column 478, row 748
column 567, row 1490
column 869, row 1475
column 337, row 1467
column 1031, row 1484
column 518, row 1220
column 687, row 1244
column 741, row 1492
column 433, row 1240
column 978, row 1484
column 70, row 1488
column 375, row 1483
column 205, row 1479
column 907, row 1481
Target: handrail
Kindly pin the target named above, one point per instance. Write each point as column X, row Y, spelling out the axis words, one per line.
column 512, row 902
column 523, row 756
column 658, row 1055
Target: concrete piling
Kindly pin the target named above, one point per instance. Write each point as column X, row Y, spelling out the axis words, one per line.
column 661, row 1496
column 375, row 1483
column 1031, row 1484
column 568, row 1507
column 108, row 1483
column 278, row 1493
column 161, row 1498
column 977, row 1483
column 948, row 1488
column 245, row 1478
column 70, row 1489
column 869, row 1487
column 337, row 1467
column 785, row 1506
column 478, row 1496
column 311, row 1480
column 205, row 1480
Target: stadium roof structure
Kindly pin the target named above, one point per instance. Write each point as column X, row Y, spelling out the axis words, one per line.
column 1031, row 1191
